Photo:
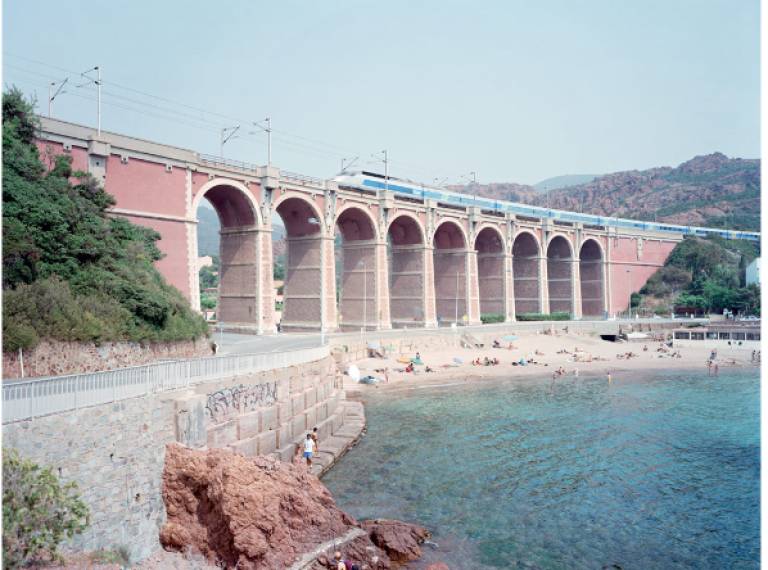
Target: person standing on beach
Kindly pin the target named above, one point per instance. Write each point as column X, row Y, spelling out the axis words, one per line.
column 309, row 448
column 609, row 378
column 315, row 439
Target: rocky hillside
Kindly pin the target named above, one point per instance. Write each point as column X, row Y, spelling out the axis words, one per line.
column 499, row 191
column 711, row 190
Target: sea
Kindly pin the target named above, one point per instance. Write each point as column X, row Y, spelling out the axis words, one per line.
column 652, row 470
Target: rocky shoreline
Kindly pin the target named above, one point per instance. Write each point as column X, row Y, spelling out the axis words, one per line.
column 261, row 513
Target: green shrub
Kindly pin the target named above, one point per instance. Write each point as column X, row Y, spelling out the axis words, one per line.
column 492, row 318
column 38, row 512
column 558, row 316
column 70, row 271
column 207, row 302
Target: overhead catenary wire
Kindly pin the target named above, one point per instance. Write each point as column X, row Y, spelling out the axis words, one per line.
column 206, row 119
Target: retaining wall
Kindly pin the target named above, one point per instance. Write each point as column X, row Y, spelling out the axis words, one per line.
column 116, row 452
column 57, row 358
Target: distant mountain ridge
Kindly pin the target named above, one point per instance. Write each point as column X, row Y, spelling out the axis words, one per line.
column 557, row 182
column 208, row 233
column 709, row 190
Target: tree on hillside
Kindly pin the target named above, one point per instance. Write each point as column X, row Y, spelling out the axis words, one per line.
column 706, row 274
column 70, row 272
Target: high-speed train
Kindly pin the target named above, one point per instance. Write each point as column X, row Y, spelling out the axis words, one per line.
column 364, row 180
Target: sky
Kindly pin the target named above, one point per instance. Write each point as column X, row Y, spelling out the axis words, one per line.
column 515, row 91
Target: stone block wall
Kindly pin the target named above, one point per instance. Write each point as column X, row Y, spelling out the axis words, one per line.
column 116, row 452
column 56, row 358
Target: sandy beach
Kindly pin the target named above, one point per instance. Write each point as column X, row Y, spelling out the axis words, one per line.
column 572, row 354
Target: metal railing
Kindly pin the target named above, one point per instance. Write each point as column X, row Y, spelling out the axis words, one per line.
column 228, row 163
column 301, row 178
column 42, row 396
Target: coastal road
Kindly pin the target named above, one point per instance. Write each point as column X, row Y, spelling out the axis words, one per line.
column 235, row 343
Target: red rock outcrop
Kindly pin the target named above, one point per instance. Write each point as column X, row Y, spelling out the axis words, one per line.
column 401, row 541
column 260, row 513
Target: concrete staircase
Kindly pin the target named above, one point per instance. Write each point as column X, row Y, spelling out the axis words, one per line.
column 337, row 434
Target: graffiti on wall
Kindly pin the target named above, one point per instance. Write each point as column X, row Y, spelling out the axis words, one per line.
column 239, row 400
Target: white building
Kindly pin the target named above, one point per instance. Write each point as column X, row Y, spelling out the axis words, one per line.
column 204, row 261
column 753, row 272
column 731, row 334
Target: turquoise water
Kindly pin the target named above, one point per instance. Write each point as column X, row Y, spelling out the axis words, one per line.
column 654, row 472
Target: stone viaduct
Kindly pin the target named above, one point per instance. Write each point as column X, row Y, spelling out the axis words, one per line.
column 404, row 262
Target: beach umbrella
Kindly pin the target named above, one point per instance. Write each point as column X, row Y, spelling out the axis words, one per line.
column 510, row 337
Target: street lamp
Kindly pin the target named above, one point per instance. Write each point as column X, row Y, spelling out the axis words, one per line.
column 365, row 298
column 629, row 303
column 456, row 315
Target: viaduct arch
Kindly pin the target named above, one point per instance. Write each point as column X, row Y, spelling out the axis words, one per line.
column 526, row 273
column 302, row 289
column 592, row 280
column 491, row 269
column 406, row 261
column 560, row 275
column 451, row 270
column 357, row 291
column 239, row 271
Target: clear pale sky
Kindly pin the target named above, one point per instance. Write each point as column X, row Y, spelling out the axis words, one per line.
column 517, row 91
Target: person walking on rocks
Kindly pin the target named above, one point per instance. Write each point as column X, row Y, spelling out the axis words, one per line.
column 315, row 439
column 309, row 448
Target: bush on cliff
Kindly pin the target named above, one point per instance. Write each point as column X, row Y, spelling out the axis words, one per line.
column 70, row 272
column 706, row 274
column 38, row 511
